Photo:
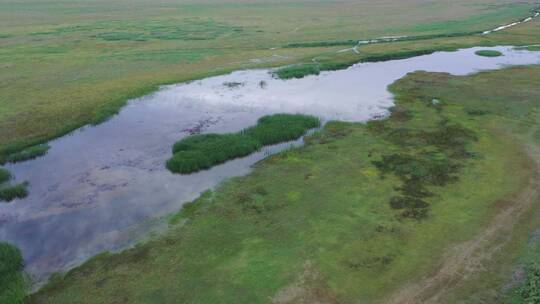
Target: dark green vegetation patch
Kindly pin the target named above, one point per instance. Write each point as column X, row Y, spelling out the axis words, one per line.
column 11, row 192
column 199, row 152
column 28, row 153
column 302, row 70
column 438, row 165
column 321, row 217
column 488, row 53
column 5, row 175
column 278, row 128
column 12, row 282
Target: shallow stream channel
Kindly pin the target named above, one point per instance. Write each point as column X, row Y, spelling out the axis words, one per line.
column 103, row 187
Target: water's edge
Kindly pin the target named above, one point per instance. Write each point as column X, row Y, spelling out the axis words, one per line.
column 109, row 185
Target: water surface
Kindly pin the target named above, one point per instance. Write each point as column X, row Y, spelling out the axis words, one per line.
column 101, row 187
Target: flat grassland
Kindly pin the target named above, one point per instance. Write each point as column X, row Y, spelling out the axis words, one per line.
column 64, row 64
column 435, row 203
column 418, row 207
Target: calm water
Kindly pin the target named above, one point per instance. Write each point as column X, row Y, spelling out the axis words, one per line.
column 102, row 187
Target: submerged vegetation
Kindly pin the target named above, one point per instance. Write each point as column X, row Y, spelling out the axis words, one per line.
column 529, row 290
column 279, row 128
column 199, row 152
column 329, row 219
column 12, row 281
column 9, row 192
column 488, row 53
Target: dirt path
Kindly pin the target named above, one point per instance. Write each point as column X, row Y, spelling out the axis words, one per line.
column 469, row 257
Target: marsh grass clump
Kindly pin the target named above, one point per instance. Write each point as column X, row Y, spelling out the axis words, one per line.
column 398, row 55
column 278, row 128
column 9, row 193
column 5, row 175
column 199, row 152
column 28, row 153
column 302, row 70
column 297, row 71
column 12, row 282
column 488, row 53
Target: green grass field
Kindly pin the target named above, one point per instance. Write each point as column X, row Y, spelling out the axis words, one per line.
column 319, row 223
column 66, row 64
column 362, row 213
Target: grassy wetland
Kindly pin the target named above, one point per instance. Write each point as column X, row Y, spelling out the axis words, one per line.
column 77, row 64
column 414, row 208
column 360, row 213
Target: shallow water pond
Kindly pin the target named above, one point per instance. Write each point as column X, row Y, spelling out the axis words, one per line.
column 102, row 187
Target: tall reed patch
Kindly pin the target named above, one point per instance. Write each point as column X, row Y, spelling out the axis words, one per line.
column 278, row 128
column 9, row 193
column 199, row 152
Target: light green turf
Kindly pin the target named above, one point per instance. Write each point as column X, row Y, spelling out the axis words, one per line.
column 315, row 222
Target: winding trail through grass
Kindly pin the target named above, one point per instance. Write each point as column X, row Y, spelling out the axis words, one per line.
column 470, row 257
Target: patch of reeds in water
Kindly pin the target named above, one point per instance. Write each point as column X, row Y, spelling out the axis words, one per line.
column 199, row 152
